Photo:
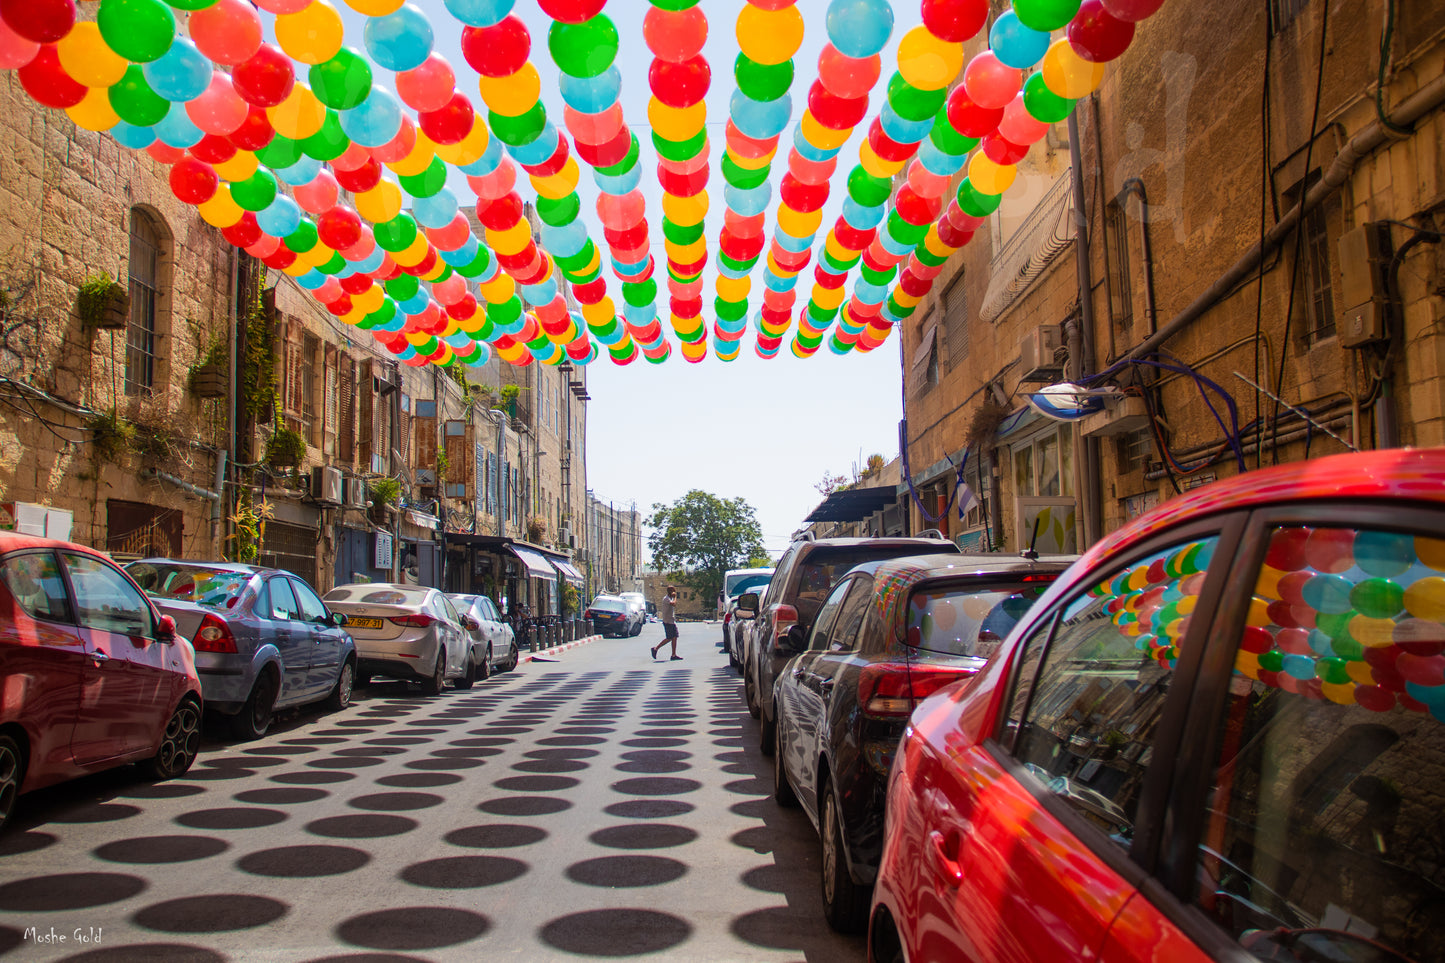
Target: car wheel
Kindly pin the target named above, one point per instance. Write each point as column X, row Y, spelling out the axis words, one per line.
column 433, row 686
column 783, row 793
column 516, row 657
column 845, row 903
column 750, row 695
column 12, row 774
column 484, row 671
column 179, row 744
column 340, row 696
column 469, row 677
column 768, row 738
column 255, row 716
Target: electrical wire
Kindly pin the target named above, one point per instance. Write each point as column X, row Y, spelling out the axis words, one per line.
column 1387, row 37
column 1265, row 192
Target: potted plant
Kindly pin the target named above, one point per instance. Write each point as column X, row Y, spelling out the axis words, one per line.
column 509, row 398
column 103, row 302
column 384, row 494
column 111, row 435
column 536, row 529
column 285, row 448
column 209, row 375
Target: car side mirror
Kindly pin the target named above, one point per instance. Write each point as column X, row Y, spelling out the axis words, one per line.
column 793, row 641
column 338, row 619
column 748, row 605
column 470, row 623
column 165, row 629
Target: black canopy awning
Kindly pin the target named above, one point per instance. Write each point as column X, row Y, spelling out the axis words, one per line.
column 853, row 504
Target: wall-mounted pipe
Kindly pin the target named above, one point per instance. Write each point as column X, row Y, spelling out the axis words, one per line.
column 184, row 485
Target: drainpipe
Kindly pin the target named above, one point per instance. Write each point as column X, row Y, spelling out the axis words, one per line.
column 219, row 518
column 184, row 485
column 1081, row 344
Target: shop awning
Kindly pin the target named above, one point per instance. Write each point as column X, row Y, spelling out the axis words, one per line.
column 537, row 565
column 853, row 504
column 569, row 572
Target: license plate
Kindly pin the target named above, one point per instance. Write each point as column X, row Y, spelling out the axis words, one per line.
column 362, row 622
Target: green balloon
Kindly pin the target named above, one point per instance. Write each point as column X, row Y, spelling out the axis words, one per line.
column 559, row 211
column 583, row 49
column 626, row 164
column 256, row 192
column 281, row 152
column 840, row 266
column 1378, row 598
column 868, row 190
column 946, row 138
column 903, row 231
column 821, row 316
column 674, row 4
column 403, row 287
column 138, row 30
column 1042, row 103
column 898, row 309
column 1045, row 15
column 521, row 129
column 586, row 277
column 639, row 293
column 575, row 262
column 741, row 177
column 912, row 103
column 478, row 265
column 808, row 342
column 303, row 238
column 429, row 182
column 506, row 312
column 135, row 102
column 762, row 81
column 333, row 264
column 732, row 264
column 878, row 277
column 328, row 143
column 682, row 233
column 395, row 234
column 343, row 82
column 925, row 256
column 191, row 4
column 974, row 202
column 1272, row 661
column 730, row 310
column 679, row 150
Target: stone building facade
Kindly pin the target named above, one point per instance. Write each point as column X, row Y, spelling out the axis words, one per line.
column 1143, row 275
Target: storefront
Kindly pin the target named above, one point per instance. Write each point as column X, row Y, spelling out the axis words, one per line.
column 419, row 549
column 364, row 555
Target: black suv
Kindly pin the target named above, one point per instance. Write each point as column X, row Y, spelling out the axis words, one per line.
column 800, row 583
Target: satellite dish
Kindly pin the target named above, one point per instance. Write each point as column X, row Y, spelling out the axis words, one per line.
column 1067, row 401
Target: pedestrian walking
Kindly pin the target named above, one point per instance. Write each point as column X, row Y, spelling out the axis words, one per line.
column 667, row 611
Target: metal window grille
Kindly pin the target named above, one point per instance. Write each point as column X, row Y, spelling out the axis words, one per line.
column 310, row 348
column 140, row 332
column 1319, row 293
column 1121, row 295
column 1135, row 448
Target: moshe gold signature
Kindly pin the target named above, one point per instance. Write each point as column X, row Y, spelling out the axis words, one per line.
column 81, row 934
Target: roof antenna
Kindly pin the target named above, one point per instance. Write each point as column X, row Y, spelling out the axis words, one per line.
column 1031, row 553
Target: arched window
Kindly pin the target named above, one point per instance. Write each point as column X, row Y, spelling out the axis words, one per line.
column 140, row 341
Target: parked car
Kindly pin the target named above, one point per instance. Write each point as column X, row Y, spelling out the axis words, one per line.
column 612, row 617
column 638, row 601
column 1218, row 736
column 263, row 638
column 94, row 676
column 803, row 577
column 494, row 644
column 736, row 581
column 407, row 632
column 889, row 634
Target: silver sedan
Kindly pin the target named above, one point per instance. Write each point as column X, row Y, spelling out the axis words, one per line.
column 407, row 632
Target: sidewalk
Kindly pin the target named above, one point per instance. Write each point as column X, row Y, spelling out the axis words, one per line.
column 525, row 657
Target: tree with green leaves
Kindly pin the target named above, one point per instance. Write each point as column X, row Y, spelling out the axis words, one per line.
column 700, row 536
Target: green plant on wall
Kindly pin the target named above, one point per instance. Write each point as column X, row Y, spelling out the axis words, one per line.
column 384, row 491
column 509, row 395
column 569, row 598
column 111, row 435
column 258, row 373
column 96, row 293
column 285, row 448
column 442, row 465
column 536, row 528
column 249, row 522
column 216, row 356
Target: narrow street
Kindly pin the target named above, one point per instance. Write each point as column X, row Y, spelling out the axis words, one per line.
column 598, row 805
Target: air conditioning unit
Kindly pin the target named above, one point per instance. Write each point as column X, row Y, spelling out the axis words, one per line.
column 1038, row 354
column 564, row 537
column 327, row 485
column 356, row 496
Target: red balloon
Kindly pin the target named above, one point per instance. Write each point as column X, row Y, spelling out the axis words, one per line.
column 1421, row 669
column 954, row 20
column 802, row 197
column 845, row 76
column 244, row 232
column 42, row 21
column 1096, row 35
column 776, row 316
column 553, row 164
column 501, row 213
column 1375, row 698
column 426, row 86
column 851, row 237
column 740, row 248
column 360, row 180
column 47, row 82
column 520, row 261
column 449, row 124
column 1330, row 549
column 1133, row 10
column 427, row 263
column 499, row 50
column 356, row 283
column 632, row 237
column 886, row 147
column 605, row 155
column 745, row 226
column 266, row 79
column 679, row 84
column 340, row 306
column 1001, row 151
column 164, row 153
column 571, row 11
column 952, row 235
column 674, row 35
column 827, row 279
column 399, row 146
column 690, row 270
column 591, row 292
column 463, row 309
column 214, row 149
column 834, row 112
column 682, row 185
column 968, row 118
column 686, row 307
column 450, row 236
column 790, row 260
column 912, row 285
column 811, row 172
column 280, row 259
column 255, row 131
column 1286, row 551
column 339, row 228
column 193, row 181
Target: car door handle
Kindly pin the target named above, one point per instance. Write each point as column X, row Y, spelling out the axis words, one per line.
column 826, row 686
column 945, row 856
column 99, row 657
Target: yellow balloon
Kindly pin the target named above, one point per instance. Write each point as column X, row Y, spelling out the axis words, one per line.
column 473, row 324
column 298, row 116
column 1247, row 663
column 375, row 8
column 769, row 36
column 435, row 271
column 94, row 112
column 381, row 203
column 1067, row 74
column 594, row 264
column 689, row 329
column 413, row 254
column 676, row 123
column 1430, row 552
column 467, row 150
column 1342, row 693
column 369, row 300
column 418, row 160
column 934, row 244
column 296, row 268
column 511, row 240
column 88, row 59
column 1376, row 633
column 823, row 138
column 835, row 247
column 499, row 290
column 906, row 300
column 220, row 210
column 927, row 62
column 799, row 224
column 353, row 316
column 752, row 163
column 988, row 177
column 827, row 298
column 312, row 35
column 778, row 269
column 875, row 165
column 516, row 354
column 733, row 289
column 1360, row 672
column 599, row 313
column 687, row 253
column 685, row 211
column 241, row 166
column 560, row 184
column 1425, row 599
column 514, row 94
column 416, row 338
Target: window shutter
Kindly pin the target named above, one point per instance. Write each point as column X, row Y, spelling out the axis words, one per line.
column 458, row 443
column 366, row 414
column 426, row 443
column 346, row 411
column 955, row 321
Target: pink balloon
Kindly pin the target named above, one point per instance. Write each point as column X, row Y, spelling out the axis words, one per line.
column 219, row 110
column 319, row 195
column 284, row 6
column 966, row 223
column 925, row 183
column 399, row 146
column 265, row 247
column 387, row 269
column 1132, row 10
column 429, row 315
column 451, row 236
column 690, row 166
column 780, row 300
column 352, row 158
column 428, row 86
column 229, row 31
column 329, row 291
column 596, row 128
column 498, row 183
column 450, row 291
column 687, row 290
column 991, row 83
column 631, row 255
column 1019, row 126
column 15, row 50
column 620, row 212
column 361, row 249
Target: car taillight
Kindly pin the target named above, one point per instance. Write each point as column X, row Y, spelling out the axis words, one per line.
column 589, row 614
column 892, row 690
column 727, row 617
column 414, row 621
column 784, row 618
column 214, row 635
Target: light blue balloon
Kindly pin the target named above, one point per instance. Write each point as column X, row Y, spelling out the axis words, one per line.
column 136, row 138
column 490, row 160
column 1301, row 667
column 538, row 150
column 628, row 270
column 619, row 184
column 1384, row 554
column 730, row 272
column 311, row 280
column 484, row 357
column 810, row 153
column 903, row 131
column 489, row 273
column 888, row 315
column 793, row 245
column 417, row 303
column 304, row 171
column 463, row 255
column 406, row 353
column 591, row 95
column 566, row 240
column 480, row 13
column 376, row 120
column 870, row 293
column 863, row 218
column 182, row 73
column 459, row 340
column 760, row 119
column 1321, row 644
column 439, row 210
column 859, row 28
column 1329, row 594
column 894, row 246
column 281, row 218
column 371, row 262
column 640, row 314
column 540, row 294
column 847, row 326
column 514, row 326
column 818, row 321
column 728, row 326
column 937, row 162
column 1016, row 45
column 748, row 202
column 779, row 284
column 176, row 129
column 399, row 41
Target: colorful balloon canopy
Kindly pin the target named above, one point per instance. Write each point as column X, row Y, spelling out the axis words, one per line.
column 264, row 135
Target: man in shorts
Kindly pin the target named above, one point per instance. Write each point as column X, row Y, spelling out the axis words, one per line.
column 667, row 611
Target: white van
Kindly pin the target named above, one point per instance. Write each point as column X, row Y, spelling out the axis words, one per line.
column 736, row 582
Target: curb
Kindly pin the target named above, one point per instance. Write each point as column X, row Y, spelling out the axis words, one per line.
column 529, row 656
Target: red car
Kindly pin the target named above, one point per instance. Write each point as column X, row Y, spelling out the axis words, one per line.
column 1216, row 737
column 91, row 674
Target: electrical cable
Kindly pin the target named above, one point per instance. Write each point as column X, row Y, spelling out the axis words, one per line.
column 1265, row 191
column 1386, row 41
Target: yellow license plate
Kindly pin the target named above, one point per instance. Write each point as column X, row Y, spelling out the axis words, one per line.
column 362, row 622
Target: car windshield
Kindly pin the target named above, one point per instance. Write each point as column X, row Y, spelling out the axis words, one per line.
column 189, row 583
column 968, row 620
column 740, row 584
column 820, row 569
column 608, row 605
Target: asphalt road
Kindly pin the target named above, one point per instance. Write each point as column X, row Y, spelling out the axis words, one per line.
column 599, row 805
